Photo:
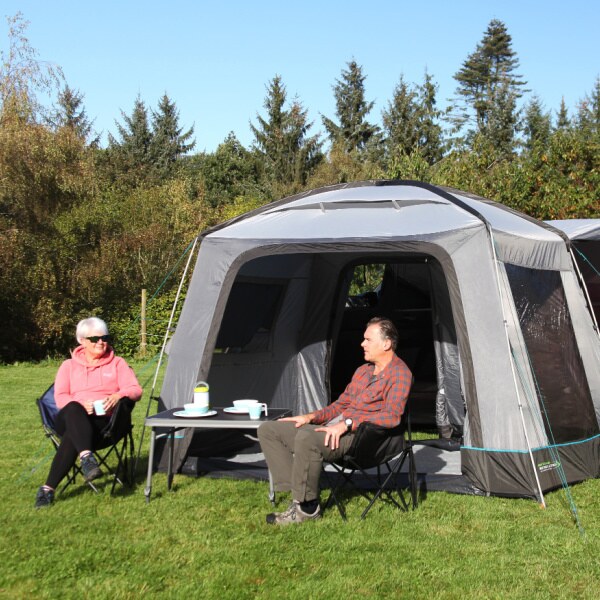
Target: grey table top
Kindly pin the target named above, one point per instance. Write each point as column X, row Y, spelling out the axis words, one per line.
column 221, row 420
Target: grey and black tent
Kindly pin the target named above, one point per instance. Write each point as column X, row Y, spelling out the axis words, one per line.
column 490, row 311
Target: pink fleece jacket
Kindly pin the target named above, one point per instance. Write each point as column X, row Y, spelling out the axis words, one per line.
column 78, row 381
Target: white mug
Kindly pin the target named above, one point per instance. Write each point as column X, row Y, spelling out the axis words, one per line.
column 255, row 410
column 99, row 407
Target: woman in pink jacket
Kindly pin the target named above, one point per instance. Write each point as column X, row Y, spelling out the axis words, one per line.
column 92, row 373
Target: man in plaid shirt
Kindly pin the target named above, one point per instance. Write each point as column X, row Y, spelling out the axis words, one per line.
column 294, row 447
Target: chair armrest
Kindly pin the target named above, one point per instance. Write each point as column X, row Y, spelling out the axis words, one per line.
column 375, row 444
column 122, row 410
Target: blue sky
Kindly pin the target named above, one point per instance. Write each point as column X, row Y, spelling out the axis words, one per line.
column 216, row 59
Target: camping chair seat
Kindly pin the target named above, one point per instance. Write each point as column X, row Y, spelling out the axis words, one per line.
column 385, row 449
column 116, row 437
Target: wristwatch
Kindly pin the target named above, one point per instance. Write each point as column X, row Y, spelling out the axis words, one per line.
column 349, row 423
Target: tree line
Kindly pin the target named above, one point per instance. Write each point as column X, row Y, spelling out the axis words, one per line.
column 83, row 228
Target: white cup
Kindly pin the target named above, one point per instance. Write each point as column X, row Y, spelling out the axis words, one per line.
column 99, row 407
column 244, row 404
column 255, row 410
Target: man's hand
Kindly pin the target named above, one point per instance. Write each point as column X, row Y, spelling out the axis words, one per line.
column 333, row 433
column 299, row 419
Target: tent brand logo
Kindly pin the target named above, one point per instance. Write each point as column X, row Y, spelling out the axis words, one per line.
column 547, row 466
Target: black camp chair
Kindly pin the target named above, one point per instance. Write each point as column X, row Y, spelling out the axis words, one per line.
column 117, row 438
column 387, row 450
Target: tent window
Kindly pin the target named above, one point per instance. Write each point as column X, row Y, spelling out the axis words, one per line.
column 365, row 286
column 588, row 258
column 557, row 366
column 259, row 303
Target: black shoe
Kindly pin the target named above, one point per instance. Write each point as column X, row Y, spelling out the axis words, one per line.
column 90, row 468
column 44, row 497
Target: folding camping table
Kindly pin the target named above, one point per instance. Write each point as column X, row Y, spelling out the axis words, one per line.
column 221, row 420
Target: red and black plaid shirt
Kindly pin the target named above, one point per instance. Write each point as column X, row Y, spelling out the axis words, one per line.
column 378, row 399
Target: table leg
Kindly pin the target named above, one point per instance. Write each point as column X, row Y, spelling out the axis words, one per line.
column 171, row 442
column 148, row 488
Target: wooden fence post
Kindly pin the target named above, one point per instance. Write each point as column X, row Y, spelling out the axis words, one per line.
column 143, row 344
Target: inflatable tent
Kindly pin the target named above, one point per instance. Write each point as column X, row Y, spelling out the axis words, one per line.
column 492, row 320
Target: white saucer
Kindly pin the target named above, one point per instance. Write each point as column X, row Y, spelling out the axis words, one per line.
column 194, row 415
column 236, row 411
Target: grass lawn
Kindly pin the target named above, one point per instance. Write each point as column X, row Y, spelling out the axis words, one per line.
column 208, row 538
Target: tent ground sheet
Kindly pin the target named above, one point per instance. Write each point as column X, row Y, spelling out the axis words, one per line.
column 238, row 456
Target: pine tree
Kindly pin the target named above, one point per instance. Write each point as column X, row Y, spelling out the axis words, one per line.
column 304, row 151
column 430, row 131
column 71, row 114
column 281, row 138
column 489, row 88
column 562, row 119
column 588, row 114
column 411, row 122
column 538, row 125
column 400, row 120
column 132, row 149
column 503, row 121
column 269, row 132
column 168, row 141
column 353, row 132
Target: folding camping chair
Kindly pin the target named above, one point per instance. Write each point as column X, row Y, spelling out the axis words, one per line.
column 117, row 438
column 386, row 450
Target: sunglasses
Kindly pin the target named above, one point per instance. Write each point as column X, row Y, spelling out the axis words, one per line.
column 97, row 338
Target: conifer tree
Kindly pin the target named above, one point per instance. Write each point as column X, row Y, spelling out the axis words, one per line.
column 562, row 119
column 132, row 149
column 168, row 141
column 71, row 114
column 400, row 120
column 430, row 131
column 588, row 114
column 538, row 125
column 411, row 121
column 353, row 132
column 281, row 138
column 488, row 89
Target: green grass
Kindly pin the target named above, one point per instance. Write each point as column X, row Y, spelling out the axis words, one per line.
column 208, row 538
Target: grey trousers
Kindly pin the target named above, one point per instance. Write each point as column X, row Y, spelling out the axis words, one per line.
column 295, row 456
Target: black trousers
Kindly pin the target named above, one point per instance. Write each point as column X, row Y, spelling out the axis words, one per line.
column 79, row 431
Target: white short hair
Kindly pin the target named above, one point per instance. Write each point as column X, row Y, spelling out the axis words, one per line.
column 86, row 326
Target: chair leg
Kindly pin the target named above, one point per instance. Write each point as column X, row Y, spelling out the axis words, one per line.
column 334, row 488
column 124, row 468
column 384, row 484
column 70, row 479
column 346, row 474
column 131, row 472
column 382, row 488
column 412, row 478
column 124, row 452
column 408, row 455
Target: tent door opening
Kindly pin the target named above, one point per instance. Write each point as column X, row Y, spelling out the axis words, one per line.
column 404, row 290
